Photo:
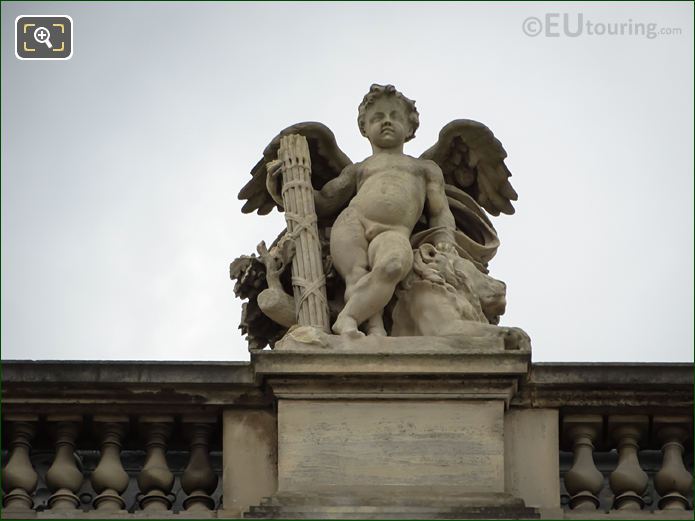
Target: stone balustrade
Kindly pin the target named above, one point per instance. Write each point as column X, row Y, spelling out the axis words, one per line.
column 75, row 489
column 96, row 439
column 120, row 439
column 623, row 433
column 626, row 463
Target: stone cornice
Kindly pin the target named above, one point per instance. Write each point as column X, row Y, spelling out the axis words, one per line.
column 58, row 386
column 125, row 371
column 127, row 386
column 395, row 356
column 607, row 387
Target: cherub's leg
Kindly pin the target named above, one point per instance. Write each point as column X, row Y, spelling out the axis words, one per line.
column 375, row 324
column 391, row 258
column 349, row 254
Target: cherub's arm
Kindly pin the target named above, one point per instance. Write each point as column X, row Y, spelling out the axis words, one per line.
column 437, row 205
column 336, row 193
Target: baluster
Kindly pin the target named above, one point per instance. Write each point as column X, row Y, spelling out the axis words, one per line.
column 673, row 482
column 155, row 479
column 63, row 478
column 19, row 479
column 583, row 481
column 198, row 479
column 628, row 481
column 109, row 479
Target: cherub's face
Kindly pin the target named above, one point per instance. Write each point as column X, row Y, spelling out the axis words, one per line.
column 386, row 122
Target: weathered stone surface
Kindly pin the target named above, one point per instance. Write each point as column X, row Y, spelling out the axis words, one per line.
column 453, row 446
column 531, row 456
column 250, row 458
column 80, row 387
column 401, row 504
column 125, row 372
column 386, row 420
column 310, row 353
column 608, row 387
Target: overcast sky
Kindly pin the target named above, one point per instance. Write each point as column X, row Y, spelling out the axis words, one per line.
column 121, row 166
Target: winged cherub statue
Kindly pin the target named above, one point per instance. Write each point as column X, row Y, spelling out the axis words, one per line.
column 398, row 234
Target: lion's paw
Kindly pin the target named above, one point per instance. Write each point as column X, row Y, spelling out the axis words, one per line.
column 516, row 339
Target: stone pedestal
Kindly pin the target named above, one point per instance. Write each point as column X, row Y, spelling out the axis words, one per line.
column 392, row 427
column 390, row 444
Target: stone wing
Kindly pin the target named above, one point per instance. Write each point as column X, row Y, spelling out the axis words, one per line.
column 327, row 161
column 472, row 159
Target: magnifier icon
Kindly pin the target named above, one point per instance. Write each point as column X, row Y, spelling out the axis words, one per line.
column 43, row 35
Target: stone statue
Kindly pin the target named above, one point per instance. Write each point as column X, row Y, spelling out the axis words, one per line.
column 393, row 245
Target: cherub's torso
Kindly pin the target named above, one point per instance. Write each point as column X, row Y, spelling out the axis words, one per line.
column 391, row 190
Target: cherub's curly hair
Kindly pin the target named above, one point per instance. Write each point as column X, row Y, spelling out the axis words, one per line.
column 377, row 91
